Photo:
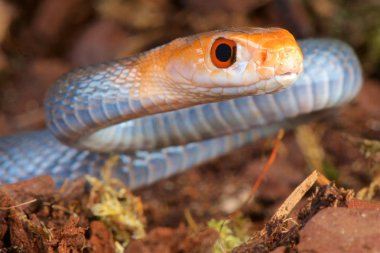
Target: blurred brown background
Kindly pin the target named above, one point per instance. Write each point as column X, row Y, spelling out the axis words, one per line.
column 41, row 39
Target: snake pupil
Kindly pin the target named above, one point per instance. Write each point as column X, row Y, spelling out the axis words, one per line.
column 223, row 52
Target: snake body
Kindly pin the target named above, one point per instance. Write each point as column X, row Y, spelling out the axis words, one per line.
column 152, row 124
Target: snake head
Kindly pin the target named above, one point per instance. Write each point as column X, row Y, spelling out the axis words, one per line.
column 232, row 62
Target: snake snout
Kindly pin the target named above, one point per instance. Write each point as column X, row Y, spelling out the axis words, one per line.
column 290, row 61
column 284, row 64
column 289, row 66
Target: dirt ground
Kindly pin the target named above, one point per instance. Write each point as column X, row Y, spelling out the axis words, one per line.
column 204, row 209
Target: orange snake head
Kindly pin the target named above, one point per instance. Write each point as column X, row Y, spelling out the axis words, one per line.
column 234, row 62
column 218, row 65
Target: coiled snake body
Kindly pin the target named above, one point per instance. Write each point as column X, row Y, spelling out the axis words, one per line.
column 168, row 109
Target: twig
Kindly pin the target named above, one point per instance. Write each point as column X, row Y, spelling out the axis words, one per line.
column 272, row 158
column 190, row 220
column 15, row 206
column 293, row 199
column 322, row 180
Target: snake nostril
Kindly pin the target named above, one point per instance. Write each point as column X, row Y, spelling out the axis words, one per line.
column 264, row 56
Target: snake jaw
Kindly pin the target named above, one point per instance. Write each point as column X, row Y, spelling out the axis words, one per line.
column 286, row 79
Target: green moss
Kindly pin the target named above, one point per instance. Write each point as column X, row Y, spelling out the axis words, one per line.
column 227, row 238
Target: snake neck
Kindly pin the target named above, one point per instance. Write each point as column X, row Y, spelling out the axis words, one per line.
column 94, row 97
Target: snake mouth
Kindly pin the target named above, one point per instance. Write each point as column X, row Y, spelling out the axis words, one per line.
column 287, row 79
column 271, row 85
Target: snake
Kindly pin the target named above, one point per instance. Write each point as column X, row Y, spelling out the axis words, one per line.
column 160, row 112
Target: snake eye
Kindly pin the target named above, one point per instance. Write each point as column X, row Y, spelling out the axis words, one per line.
column 223, row 52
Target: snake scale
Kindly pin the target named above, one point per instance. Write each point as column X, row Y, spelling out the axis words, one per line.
column 178, row 105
